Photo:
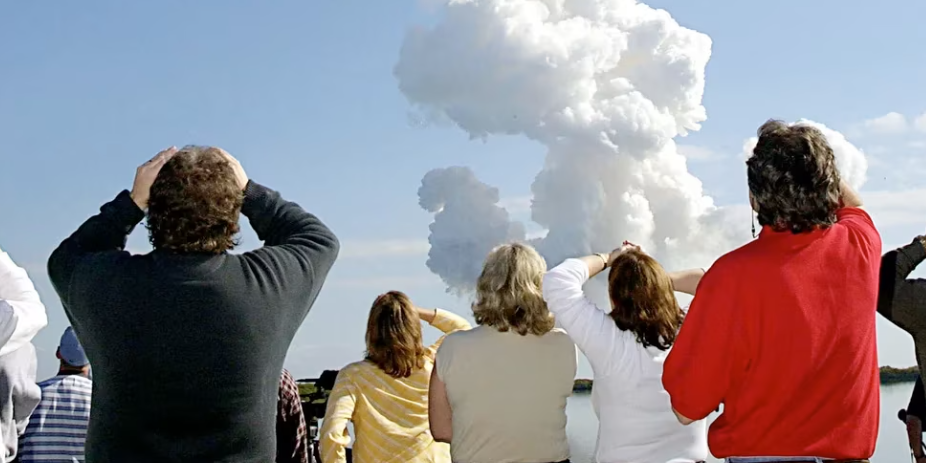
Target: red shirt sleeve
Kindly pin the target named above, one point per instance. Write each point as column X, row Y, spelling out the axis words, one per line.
column 697, row 373
column 862, row 230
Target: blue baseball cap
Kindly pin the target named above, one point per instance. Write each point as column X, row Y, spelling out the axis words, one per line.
column 71, row 351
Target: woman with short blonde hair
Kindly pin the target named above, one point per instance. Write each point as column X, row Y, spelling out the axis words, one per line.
column 385, row 395
column 498, row 391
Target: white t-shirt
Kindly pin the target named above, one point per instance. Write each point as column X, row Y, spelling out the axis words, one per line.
column 636, row 422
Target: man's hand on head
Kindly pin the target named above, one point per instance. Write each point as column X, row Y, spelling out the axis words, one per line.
column 240, row 176
column 146, row 174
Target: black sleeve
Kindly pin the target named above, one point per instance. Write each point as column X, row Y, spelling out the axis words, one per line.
column 902, row 300
column 104, row 232
column 299, row 249
column 917, row 406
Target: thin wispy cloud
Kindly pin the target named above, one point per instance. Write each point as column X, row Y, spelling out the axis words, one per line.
column 385, row 283
column 890, row 123
column 516, row 204
column 891, row 208
column 920, row 123
column 699, row 153
column 367, row 249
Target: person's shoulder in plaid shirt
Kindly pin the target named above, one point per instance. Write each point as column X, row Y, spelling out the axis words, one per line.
column 292, row 435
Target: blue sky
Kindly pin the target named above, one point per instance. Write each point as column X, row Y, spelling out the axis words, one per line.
column 303, row 94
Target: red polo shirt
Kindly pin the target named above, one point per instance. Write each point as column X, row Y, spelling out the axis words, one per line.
column 782, row 332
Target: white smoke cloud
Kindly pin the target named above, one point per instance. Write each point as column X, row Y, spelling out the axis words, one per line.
column 468, row 223
column 606, row 86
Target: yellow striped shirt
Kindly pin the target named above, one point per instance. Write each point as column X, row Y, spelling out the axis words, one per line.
column 390, row 415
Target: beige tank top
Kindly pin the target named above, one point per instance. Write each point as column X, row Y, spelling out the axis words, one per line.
column 508, row 394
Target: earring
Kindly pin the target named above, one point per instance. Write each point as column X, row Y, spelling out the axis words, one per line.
column 753, row 217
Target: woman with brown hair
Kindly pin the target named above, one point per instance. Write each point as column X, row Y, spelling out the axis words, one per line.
column 385, row 395
column 627, row 348
column 498, row 391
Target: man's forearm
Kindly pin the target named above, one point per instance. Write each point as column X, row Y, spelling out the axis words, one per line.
column 848, row 196
column 915, row 435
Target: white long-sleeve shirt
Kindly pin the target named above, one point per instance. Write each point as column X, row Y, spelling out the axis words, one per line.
column 18, row 295
column 636, row 422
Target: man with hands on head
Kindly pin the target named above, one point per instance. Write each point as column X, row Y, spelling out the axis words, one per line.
column 187, row 342
column 902, row 300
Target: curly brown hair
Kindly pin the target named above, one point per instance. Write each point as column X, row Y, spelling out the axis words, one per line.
column 195, row 203
column 643, row 300
column 394, row 335
column 793, row 180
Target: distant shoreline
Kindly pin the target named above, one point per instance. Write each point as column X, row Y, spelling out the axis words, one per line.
column 889, row 375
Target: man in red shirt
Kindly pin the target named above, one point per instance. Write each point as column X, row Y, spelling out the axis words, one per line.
column 782, row 330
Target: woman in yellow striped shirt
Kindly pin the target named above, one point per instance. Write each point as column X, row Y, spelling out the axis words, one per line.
column 385, row 395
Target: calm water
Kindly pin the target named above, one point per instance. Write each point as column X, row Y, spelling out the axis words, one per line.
column 892, row 440
column 892, row 447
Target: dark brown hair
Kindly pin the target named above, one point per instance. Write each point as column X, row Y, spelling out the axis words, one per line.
column 195, row 203
column 793, row 179
column 394, row 335
column 643, row 300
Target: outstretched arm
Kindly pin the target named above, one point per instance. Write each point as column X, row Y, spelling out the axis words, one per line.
column 686, row 281
column 18, row 296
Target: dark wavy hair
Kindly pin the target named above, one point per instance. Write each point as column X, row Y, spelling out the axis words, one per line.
column 394, row 335
column 643, row 300
column 195, row 203
column 793, row 179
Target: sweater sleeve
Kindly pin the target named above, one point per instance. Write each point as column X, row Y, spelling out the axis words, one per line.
column 105, row 232
column 299, row 249
column 18, row 295
column 333, row 437
column 902, row 300
column 917, row 405
column 590, row 328
column 698, row 369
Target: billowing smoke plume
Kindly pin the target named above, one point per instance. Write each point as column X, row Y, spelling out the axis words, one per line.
column 468, row 224
column 606, row 86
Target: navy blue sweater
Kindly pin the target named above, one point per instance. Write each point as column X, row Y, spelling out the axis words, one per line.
column 187, row 349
